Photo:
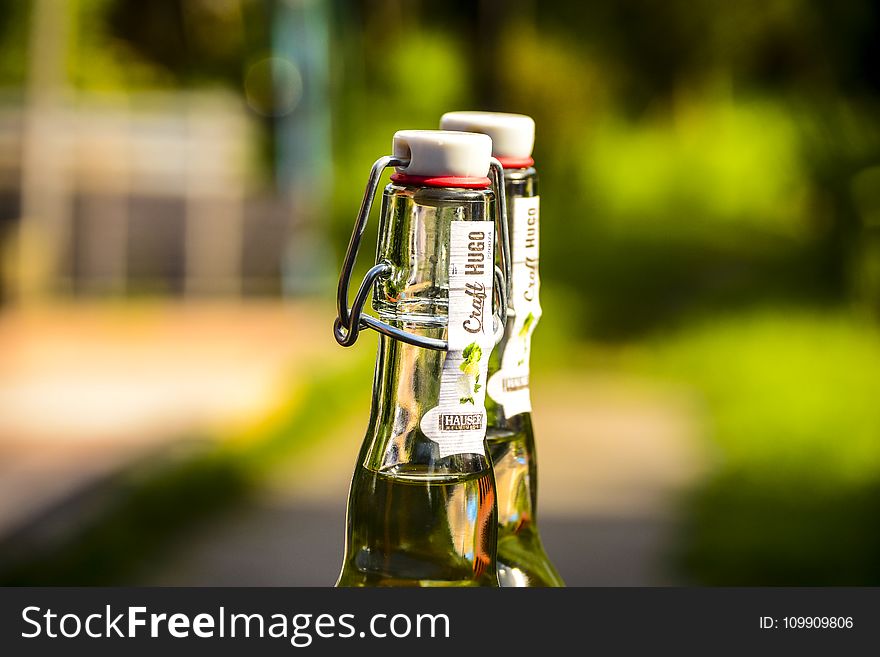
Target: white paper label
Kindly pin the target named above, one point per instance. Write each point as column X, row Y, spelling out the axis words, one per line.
column 509, row 386
column 458, row 423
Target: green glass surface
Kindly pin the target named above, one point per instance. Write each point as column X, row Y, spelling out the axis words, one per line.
column 522, row 560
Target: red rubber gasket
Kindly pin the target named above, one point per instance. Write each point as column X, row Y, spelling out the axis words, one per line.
column 468, row 182
column 516, row 162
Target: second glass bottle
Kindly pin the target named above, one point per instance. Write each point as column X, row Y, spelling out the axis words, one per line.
column 522, row 560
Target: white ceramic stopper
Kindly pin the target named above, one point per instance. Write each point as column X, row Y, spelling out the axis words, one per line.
column 513, row 135
column 443, row 153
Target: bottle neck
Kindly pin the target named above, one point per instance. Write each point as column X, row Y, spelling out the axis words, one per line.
column 428, row 417
column 406, row 385
column 521, row 182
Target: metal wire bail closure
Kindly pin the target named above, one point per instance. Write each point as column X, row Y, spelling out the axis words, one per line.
column 503, row 277
column 349, row 321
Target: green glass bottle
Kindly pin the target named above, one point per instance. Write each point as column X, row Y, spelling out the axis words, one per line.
column 522, row 560
column 422, row 508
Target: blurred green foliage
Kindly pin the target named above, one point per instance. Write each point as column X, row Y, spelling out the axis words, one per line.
column 792, row 412
column 822, row 370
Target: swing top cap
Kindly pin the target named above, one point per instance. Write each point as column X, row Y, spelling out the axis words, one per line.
column 443, row 153
column 513, row 135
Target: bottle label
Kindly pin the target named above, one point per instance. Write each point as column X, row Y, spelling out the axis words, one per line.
column 509, row 386
column 458, row 423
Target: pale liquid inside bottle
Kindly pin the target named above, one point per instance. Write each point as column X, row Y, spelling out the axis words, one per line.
column 427, row 530
column 522, row 560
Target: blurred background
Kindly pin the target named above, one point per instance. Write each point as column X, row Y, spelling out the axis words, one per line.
column 179, row 178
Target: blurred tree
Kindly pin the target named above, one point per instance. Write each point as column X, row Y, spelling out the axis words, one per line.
column 192, row 41
column 13, row 42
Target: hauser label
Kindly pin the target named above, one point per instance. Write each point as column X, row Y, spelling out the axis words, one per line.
column 509, row 386
column 458, row 423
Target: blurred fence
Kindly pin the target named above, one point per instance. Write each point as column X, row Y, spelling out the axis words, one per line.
column 163, row 172
column 114, row 188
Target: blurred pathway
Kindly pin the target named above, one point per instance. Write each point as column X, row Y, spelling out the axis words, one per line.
column 87, row 388
column 614, row 455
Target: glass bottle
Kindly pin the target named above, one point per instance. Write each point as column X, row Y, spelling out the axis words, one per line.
column 522, row 559
column 422, row 509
